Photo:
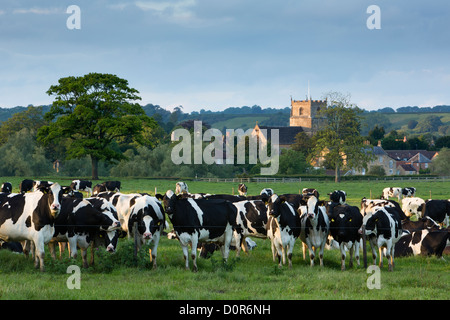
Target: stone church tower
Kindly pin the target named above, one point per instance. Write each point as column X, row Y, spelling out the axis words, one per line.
column 304, row 113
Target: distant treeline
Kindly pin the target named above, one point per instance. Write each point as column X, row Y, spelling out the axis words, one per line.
column 177, row 115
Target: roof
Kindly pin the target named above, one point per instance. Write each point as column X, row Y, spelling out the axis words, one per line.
column 405, row 155
column 407, row 167
column 420, row 158
column 286, row 135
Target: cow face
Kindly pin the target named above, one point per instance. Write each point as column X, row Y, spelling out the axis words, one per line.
column 147, row 221
column 311, row 209
column 169, row 201
column 242, row 189
column 54, row 194
column 274, row 205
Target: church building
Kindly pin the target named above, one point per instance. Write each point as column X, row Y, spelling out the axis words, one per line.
column 304, row 118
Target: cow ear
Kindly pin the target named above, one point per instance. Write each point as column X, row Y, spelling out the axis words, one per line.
column 159, row 196
column 180, row 196
column 44, row 189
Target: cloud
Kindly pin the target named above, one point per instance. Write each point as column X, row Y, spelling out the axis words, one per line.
column 172, row 9
column 39, row 11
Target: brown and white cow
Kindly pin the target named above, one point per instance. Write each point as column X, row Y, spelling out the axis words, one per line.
column 31, row 216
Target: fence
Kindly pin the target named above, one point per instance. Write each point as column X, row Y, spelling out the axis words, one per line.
column 300, row 179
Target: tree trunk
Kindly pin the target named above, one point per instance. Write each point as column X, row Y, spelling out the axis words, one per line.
column 94, row 162
column 337, row 174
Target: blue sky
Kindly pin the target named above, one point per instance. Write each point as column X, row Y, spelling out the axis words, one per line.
column 211, row 54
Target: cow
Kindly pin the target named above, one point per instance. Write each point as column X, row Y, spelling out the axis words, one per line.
column 252, row 219
column 181, row 187
column 13, row 246
column 345, row 222
column 338, row 196
column 423, row 242
column 438, row 210
column 384, row 229
column 198, row 220
column 412, row 206
column 242, row 189
column 368, row 206
column 408, row 192
column 26, row 185
column 423, row 223
column 83, row 185
column 283, row 228
column 267, row 192
column 146, row 223
column 31, row 216
column 113, row 186
column 78, row 223
column 310, row 191
column 41, row 184
column 392, row 192
column 123, row 203
column 315, row 227
column 6, row 187
column 228, row 197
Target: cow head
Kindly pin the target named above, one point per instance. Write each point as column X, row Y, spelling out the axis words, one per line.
column 53, row 195
column 169, row 200
column 274, row 205
column 310, row 207
column 110, row 212
column 242, row 189
column 109, row 239
column 148, row 215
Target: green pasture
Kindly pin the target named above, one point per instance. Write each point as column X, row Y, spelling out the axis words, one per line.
column 252, row 276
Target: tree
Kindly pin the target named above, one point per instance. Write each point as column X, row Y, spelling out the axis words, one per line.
column 94, row 112
column 340, row 142
column 441, row 164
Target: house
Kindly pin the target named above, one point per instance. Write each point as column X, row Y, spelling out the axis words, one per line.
column 405, row 169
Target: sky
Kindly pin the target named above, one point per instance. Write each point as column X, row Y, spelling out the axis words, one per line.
column 215, row 54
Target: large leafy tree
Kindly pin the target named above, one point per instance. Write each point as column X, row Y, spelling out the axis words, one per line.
column 339, row 142
column 95, row 112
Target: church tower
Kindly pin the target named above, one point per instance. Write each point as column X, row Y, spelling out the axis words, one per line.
column 305, row 113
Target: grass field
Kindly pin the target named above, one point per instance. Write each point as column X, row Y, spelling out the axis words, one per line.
column 252, row 276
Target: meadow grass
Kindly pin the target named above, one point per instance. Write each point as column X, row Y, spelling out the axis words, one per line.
column 252, row 276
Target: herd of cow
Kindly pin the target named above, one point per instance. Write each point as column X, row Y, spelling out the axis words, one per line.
column 52, row 214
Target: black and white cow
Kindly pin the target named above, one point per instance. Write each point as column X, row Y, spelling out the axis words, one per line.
column 338, row 196
column 6, row 187
column 392, row 192
column 37, row 184
column 315, row 227
column 267, row 192
column 181, row 187
column 146, row 223
column 123, row 203
column 438, row 210
column 310, row 191
column 423, row 242
column 26, row 185
column 198, row 220
column 113, row 186
column 31, row 216
column 384, row 229
column 252, row 219
column 408, row 192
column 242, row 189
column 423, row 223
column 412, row 206
column 82, row 185
column 79, row 223
column 345, row 222
column 283, row 228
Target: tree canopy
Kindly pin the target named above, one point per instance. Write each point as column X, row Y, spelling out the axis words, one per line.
column 340, row 142
column 95, row 112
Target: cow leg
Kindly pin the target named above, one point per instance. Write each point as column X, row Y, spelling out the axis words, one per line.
column 342, row 249
column 62, row 248
column 312, row 253
column 91, row 262
column 290, row 249
column 304, row 250
column 322, row 247
column 84, row 257
column 39, row 255
column 356, row 245
column 185, row 254
column 374, row 251
column 380, row 251
column 51, row 247
column 194, row 253
column 154, row 250
column 350, row 263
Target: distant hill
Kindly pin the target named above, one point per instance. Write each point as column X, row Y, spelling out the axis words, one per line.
column 411, row 120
